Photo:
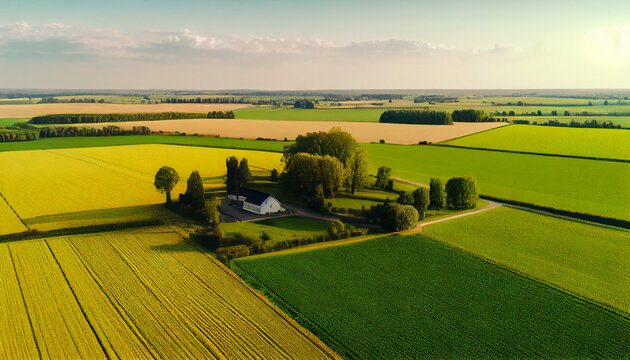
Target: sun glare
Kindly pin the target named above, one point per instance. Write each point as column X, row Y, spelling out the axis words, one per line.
column 610, row 45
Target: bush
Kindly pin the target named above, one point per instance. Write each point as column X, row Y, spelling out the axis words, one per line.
column 265, row 236
column 395, row 217
column 274, row 175
column 406, row 198
column 335, row 228
column 436, row 194
column 233, row 252
column 461, row 192
column 382, row 141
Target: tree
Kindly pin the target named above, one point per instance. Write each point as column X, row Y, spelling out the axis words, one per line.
column 436, row 194
column 512, row 113
column 231, row 180
column 244, row 175
column 210, row 213
column 194, row 191
column 274, row 175
column 358, row 170
column 336, row 143
column 539, row 113
column 566, row 113
column 605, row 102
column 395, row 217
column 554, row 113
column 405, row 198
column 165, row 180
column 306, row 171
column 383, row 176
column 421, row 201
column 461, row 192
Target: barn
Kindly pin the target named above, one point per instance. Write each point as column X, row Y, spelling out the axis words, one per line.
column 259, row 202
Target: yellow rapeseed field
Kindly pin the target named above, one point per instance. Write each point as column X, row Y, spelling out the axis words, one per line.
column 9, row 222
column 138, row 294
column 47, row 182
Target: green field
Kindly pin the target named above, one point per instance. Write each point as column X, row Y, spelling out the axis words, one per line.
column 278, row 229
column 10, row 122
column 142, row 294
column 598, row 143
column 590, row 186
column 411, row 297
column 592, row 261
column 87, row 141
column 268, row 113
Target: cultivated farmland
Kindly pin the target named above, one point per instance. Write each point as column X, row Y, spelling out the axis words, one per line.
column 9, row 222
column 39, row 183
column 590, row 186
column 279, row 130
column 135, row 295
column 599, row 143
column 418, row 298
column 589, row 260
column 28, row 111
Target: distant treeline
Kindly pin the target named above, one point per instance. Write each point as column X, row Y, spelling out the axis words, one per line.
column 219, row 100
column 470, row 115
column 593, row 124
column 121, row 117
column 32, row 133
column 303, row 104
column 428, row 117
column 434, row 99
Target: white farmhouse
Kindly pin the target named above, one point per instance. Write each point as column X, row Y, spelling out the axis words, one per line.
column 258, row 202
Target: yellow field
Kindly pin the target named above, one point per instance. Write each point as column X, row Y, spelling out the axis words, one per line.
column 30, row 110
column 362, row 131
column 141, row 295
column 48, row 182
column 9, row 222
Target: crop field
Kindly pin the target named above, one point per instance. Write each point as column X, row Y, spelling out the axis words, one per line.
column 50, row 182
column 79, row 142
column 279, row 130
column 338, row 115
column 589, row 260
column 589, row 186
column 9, row 222
column 140, row 295
column 28, row 111
column 599, row 143
column 419, row 298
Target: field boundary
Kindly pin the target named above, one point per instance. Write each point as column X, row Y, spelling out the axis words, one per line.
column 35, row 234
column 529, row 152
column 15, row 212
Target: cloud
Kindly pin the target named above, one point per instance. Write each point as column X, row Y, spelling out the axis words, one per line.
column 58, row 40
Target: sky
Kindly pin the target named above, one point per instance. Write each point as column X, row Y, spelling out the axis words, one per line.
column 295, row 45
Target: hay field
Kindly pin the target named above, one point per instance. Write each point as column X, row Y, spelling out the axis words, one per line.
column 417, row 298
column 589, row 260
column 48, row 182
column 362, row 131
column 28, row 111
column 140, row 295
column 599, row 143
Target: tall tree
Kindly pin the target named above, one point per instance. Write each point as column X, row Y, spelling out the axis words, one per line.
column 382, row 176
column 231, row 180
column 244, row 175
column 194, row 190
column 421, row 201
column 165, row 180
column 436, row 194
column 358, row 169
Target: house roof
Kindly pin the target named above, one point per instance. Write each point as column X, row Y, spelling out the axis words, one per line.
column 254, row 196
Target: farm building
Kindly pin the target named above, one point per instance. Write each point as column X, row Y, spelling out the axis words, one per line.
column 258, row 202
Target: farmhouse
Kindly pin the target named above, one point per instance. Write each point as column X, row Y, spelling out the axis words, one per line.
column 258, row 202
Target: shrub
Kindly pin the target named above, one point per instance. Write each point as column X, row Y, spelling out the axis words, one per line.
column 233, row 252
column 274, row 175
column 406, row 198
column 436, row 194
column 395, row 217
column 382, row 141
column 265, row 236
column 461, row 192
